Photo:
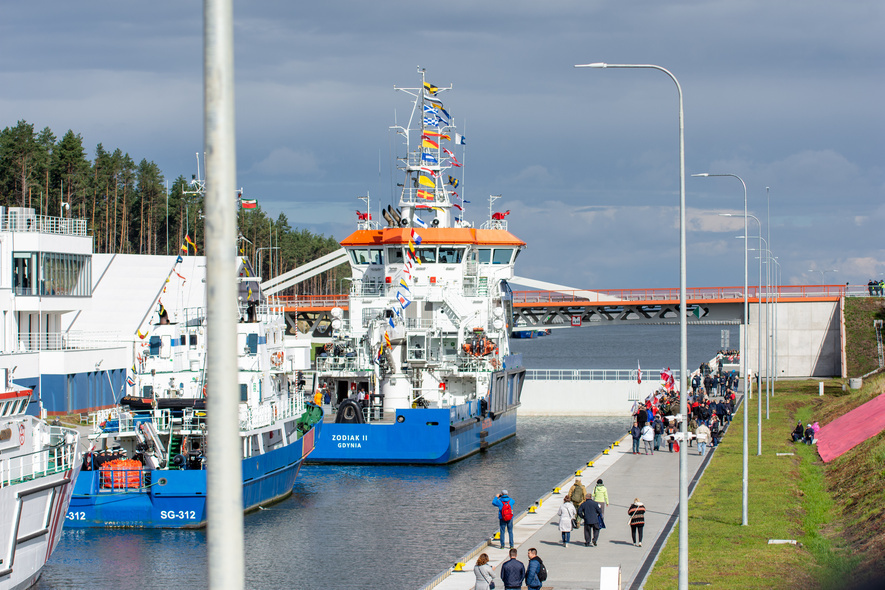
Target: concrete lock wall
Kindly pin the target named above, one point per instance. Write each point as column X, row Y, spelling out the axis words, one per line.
column 582, row 397
column 808, row 343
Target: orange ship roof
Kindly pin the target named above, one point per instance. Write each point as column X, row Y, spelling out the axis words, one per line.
column 432, row 235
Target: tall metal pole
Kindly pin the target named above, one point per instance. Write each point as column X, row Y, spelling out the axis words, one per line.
column 683, row 330
column 744, row 337
column 769, row 358
column 759, row 341
column 224, row 504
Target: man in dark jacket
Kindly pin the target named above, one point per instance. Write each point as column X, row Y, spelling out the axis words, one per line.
column 531, row 575
column 512, row 572
column 591, row 514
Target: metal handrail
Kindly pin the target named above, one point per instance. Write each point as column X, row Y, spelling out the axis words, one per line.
column 37, row 464
column 592, row 375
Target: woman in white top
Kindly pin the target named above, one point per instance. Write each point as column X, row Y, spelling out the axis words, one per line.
column 483, row 572
column 566, row 515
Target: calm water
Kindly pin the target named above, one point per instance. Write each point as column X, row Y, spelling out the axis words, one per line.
column 395, row 526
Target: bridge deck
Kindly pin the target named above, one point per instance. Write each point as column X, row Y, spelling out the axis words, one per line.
column 618, row 297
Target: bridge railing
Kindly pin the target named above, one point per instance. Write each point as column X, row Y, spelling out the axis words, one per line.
column 620, row 295
column 592, row 375
column 694, row 293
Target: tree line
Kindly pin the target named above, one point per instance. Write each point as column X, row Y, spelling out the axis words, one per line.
column 128, row 209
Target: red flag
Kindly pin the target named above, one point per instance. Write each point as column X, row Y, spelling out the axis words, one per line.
column 638, row 373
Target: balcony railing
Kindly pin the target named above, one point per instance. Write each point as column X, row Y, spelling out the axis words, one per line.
column 37, row 341
column 30, row 222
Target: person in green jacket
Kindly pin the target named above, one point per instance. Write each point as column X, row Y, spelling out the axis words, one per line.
column 600, row 494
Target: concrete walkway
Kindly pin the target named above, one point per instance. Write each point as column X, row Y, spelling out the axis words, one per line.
column 654, row 479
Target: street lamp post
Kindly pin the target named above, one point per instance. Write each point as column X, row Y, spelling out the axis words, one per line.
column 759, row 339
column 821, row 273
column 683, row 329
column 745, row 478
column 769, row 313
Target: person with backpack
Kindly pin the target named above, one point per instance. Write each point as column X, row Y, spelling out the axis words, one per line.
column 505, row 515
column 576, row 494
column 536, row 573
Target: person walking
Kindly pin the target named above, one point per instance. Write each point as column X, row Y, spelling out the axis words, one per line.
column 648, row 436
column 600, row 495
column 577, row 494
column 659, row 432
column 484, row 573
column 566, row 514
column 636, row 511
column 636, row 433
column 590, row 513
column 512, row 572
column 533, row 573
column 505, row 515
column 702, row 432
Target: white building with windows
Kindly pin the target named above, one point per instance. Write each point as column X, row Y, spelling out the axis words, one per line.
column 70, row 318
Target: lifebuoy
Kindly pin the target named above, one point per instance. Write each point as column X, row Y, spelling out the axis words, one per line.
column 276, row 359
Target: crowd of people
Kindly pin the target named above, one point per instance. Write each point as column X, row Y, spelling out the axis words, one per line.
column 876, row 288
column 710, row 403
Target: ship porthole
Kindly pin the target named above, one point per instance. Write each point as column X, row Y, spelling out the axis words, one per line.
column 162, row 481
column 400, row 418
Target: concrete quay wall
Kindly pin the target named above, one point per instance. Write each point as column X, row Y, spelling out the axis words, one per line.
column 582, row 397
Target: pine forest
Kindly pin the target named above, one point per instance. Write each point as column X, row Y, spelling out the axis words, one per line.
column 127, row 209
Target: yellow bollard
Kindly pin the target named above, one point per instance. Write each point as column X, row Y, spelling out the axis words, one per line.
column 532, row 510
column 589, row 463
column 617, row 443
column 459, row 567
column 497, row 536
column 555, row 490
column 605, row 451
column 578, row 473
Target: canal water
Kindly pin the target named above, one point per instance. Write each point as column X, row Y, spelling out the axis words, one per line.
column 390, row 526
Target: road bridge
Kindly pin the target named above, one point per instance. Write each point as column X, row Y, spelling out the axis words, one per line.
column 806, row 318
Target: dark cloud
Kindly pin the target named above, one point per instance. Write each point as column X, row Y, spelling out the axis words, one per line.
column 785, row 94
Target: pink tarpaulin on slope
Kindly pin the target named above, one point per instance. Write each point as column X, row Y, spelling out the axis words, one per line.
column 848, row 431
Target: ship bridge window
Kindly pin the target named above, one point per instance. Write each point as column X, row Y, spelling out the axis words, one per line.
column 395, row 255
column 484, row 255
column 366, row 256
column 502, row 256
column 427, row 255
column 450, row 255
column 154, row 344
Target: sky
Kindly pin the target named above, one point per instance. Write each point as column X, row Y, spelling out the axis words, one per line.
column 787, row 95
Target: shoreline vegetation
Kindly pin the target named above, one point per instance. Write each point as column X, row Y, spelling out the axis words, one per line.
column 835, row 511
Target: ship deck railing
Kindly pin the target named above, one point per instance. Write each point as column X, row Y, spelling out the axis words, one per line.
column 49, row 461
column 268, row 413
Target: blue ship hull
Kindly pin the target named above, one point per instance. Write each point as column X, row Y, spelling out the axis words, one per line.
column 177, row 498
column 430, row 436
